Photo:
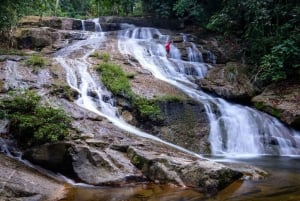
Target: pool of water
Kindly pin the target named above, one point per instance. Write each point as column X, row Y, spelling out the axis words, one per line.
column 283, row 184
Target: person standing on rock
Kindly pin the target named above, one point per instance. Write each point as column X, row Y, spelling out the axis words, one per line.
column 168, row 48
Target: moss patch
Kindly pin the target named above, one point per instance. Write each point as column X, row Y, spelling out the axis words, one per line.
column 115, row 79
column 10, row 51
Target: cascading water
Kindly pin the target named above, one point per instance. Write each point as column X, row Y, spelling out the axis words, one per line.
column 97, row 25
column 83, row 25
column 235, row 129
column 74, row 60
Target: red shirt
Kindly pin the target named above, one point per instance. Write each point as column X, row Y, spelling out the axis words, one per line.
column 168, row 46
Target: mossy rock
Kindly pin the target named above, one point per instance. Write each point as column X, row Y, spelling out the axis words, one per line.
column 64, row 91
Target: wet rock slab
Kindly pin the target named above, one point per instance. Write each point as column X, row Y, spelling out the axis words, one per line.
column 282, row 101
column 121, row 164
column 18, row 182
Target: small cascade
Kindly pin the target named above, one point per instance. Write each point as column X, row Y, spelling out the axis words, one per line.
column 194, row 54
column 97, row 25
column 83, row 25
column 234, row 129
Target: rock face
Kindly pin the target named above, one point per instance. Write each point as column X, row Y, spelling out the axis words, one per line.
column 229, row 82
column 103, row 163
column 282, row 101
column 185, row 124
column 22, row 183
column 30, row 38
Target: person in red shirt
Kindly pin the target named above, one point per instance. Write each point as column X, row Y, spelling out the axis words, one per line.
column 168, row 48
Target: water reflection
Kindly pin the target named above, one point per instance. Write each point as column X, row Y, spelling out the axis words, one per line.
column 138, row 193
column 283, row 184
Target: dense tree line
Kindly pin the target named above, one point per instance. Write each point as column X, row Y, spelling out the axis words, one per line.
column 269, row 28
column 271, row 31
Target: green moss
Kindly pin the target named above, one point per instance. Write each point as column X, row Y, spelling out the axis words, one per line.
column 259, row 106
column 231, row 73
column 36, row 61
column 101, row 55
column 9, row 51
column 117, row 82
column 64, row 91
column 275, row 112
column 30, row 123
column 148, row 109
column 2, row 84
column 115, row 79
column 171, row 98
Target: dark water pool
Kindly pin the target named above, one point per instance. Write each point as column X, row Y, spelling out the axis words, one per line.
column 283, row 184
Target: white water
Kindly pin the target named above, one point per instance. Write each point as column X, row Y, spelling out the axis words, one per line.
column 97, row 25
column 74, row 60
column 236, row 130
column 83, row 25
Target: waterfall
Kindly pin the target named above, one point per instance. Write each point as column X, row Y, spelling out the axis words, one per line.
column 78, row 71
column 83, row 25
column 235, row 129
column 97, row 25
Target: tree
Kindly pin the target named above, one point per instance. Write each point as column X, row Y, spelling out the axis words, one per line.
column 271, row 32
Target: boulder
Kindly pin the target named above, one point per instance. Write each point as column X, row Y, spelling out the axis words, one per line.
column 121, row 164
column 207, row 175
column 95, row 165
column 282, row 101
column 230, row 82
column 20, row 182
column 35, row 38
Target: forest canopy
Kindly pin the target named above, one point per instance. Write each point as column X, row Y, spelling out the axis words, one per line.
column 269, row 28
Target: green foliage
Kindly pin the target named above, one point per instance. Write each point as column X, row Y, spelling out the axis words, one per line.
column 260, row 106
column 64, row 91
column 270, row 30
column 31, row 124
column 117, row 82
column 148, row 109
column 36, row 61
column 170, row 98
column 105, row 56
column 189, row 9
column 10, row 51
column 159, row 9
column 282, row 61
column 101, row 55
column 115, row 79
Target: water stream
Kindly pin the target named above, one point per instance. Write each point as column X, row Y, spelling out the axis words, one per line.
column 74, row 60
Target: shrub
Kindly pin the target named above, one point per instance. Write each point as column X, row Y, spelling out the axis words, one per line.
column 103, row 56
column 115, row 79
column 31, row 124
column 148, row 109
